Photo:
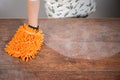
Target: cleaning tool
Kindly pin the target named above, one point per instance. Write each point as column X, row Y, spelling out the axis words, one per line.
column 28, row 39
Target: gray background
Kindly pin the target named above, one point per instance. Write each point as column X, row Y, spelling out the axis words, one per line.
column 17, row 9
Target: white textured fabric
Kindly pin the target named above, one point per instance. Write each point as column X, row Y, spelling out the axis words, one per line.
column 69, row 8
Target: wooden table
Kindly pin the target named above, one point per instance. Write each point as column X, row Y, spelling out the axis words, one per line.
column 49, row 64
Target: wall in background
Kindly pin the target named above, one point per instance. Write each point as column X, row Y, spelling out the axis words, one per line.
column 107, row 8
column 17, row 9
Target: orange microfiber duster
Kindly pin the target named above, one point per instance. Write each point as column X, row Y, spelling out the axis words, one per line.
column 25, row 43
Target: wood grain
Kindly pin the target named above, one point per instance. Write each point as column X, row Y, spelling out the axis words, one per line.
column 50, row 65
column 59, row 75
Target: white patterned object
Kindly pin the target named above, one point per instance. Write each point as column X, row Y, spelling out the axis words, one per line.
column 69, row 8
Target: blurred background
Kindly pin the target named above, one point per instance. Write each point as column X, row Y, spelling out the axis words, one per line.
column 18, row 9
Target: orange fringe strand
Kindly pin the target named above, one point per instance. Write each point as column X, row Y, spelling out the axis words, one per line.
column 25, row 43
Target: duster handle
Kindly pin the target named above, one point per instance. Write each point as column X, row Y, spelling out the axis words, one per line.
column 33, row 12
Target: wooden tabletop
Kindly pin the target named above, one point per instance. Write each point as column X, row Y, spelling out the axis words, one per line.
column 50, row 64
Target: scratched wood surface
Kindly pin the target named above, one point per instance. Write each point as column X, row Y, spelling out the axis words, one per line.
column 49, row 64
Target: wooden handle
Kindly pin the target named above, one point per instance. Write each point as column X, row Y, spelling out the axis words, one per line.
column 33, row 11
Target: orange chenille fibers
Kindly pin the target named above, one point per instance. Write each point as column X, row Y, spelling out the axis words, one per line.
column 25, row 43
